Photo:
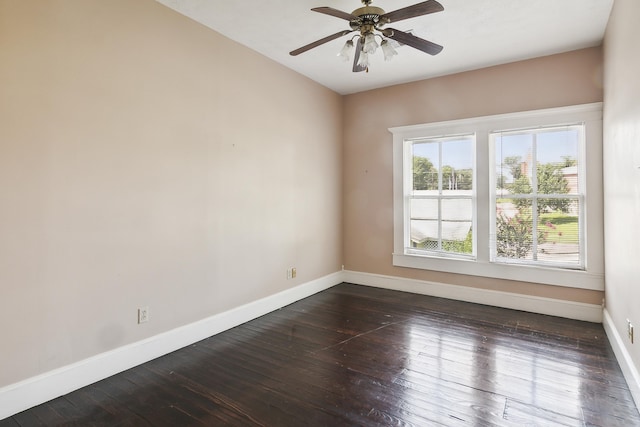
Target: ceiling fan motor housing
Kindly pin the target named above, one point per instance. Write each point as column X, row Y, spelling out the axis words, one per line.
column 368, row 19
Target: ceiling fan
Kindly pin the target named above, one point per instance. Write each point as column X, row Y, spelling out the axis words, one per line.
column 369, row 22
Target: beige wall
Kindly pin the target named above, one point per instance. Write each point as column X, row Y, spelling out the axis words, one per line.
column 553, row 81
column 146, row 160
column 622, row 170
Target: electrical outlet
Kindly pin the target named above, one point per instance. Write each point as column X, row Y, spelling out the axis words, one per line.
column 291, row 273
column 143, row 314
column 630, row 330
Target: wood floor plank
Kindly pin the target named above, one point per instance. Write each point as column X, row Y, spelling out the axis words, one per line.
column 521, row 414
column 355, row 355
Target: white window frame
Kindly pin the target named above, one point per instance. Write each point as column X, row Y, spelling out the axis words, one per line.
column 592, row 277
column 408, row 185
column 580, row 196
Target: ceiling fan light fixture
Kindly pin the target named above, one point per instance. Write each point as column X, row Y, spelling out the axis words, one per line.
column 345, row 53
column 368, row 22
column 370, row 45
column 388, row 50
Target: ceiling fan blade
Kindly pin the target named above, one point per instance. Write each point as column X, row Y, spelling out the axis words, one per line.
column 413, row 41
column 335, row 12
column 356, row 56
column 424, row 8
column 319, row 42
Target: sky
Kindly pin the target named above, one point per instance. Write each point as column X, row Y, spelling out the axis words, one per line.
column 457, row 153
column 551, row 146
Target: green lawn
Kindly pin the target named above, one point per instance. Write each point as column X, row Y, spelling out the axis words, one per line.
column 564, row 229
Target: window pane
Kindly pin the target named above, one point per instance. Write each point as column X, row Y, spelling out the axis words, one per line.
column 524, row 199
column 457, row 219
column 514, row 234
column 457, row 169
column 425, row 166
column 557, row 159
column 442, row 168
column 559, row 232
column 424, row 209
column 513, row 163
column 424, row 223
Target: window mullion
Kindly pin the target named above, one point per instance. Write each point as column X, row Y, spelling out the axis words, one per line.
column 440, row 195
column 534, row 193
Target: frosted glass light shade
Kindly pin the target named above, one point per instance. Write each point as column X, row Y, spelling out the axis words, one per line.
column 388, row 50
column 370, row 44
column 345, row 53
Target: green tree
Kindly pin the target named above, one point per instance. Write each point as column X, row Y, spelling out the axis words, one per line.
column 425, row 175
column 514, row 236
column 501, row 181
column 569, row 161
column 515, row 166
column 521, row 186
column 550, row 181
column 460, row 246
column 465, row 179
column 457, row 179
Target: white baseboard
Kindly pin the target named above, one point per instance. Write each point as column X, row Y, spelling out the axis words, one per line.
column 25, row 394
column 533, row 304
column 630, row 372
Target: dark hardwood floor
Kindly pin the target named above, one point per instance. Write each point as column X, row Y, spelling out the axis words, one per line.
column 355, row 355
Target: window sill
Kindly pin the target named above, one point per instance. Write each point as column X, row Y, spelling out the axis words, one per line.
column 525, row 273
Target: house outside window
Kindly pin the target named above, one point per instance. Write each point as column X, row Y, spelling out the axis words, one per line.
column 524, row 205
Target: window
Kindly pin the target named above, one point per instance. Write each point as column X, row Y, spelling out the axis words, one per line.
column 537, row 216
column 440, row 198
column 513, row 196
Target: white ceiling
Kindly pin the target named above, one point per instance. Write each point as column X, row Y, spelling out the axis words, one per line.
column 474, row 33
